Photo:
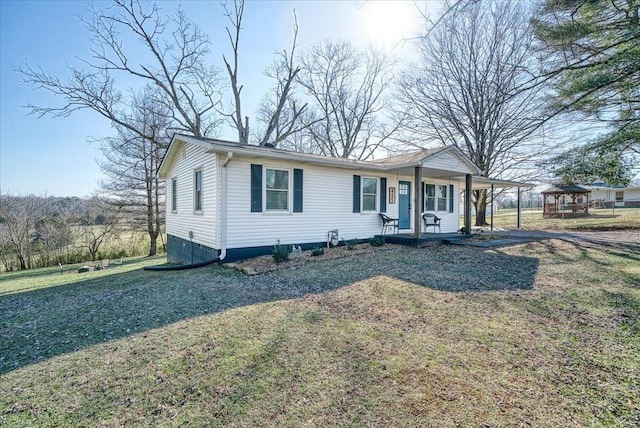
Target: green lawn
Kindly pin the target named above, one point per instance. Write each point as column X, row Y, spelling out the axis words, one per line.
column 541, row 334
column 598, row 220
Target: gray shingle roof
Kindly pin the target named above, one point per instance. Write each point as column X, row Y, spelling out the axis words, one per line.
column 568, row 189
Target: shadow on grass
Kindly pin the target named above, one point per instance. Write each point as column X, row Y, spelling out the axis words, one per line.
column 588, row 247
column 39, row 324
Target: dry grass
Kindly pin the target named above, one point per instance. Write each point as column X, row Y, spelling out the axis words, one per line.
column 598, row 220
column 540, row 334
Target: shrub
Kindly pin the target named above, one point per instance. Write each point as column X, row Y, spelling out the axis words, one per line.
column 351, row 244
column 376, row 241
column 281, row 253
column 317, row 251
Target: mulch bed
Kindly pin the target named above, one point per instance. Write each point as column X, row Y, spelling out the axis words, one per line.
column 264, row 264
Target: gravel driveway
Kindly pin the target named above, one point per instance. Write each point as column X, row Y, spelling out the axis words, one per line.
column 610, row 237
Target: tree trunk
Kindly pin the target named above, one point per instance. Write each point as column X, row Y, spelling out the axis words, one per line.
column 23, row 265
column 480, row 203
column 153, row 246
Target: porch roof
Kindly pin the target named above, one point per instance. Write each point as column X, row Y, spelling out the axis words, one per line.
column 486, row 183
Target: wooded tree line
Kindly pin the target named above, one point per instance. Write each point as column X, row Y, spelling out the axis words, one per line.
column 39, row 231
column 497, row 79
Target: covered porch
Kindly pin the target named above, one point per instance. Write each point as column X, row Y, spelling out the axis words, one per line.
column 430, row 182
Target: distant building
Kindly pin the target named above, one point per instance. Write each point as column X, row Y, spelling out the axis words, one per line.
column 607, row 196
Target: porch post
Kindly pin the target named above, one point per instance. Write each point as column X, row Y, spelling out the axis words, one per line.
column 492, row 207
column 417, row 206
column 519, row 210
column 467, row 204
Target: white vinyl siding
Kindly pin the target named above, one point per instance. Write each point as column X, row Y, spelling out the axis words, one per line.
column 369, row 193
column 447, row 161
column 328, row 205
column 277, row 189
column 184, row 219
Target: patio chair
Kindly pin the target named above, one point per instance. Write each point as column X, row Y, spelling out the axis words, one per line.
column 388, row 222
column 431, row 220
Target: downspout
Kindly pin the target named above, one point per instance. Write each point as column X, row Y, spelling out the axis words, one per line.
column 223, row 208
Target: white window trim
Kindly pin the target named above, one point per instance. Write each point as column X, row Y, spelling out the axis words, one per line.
column 174, row 194
column 198, row 211
column 289, row 209
column 377, row 195
column 446, row 198
column 435, row 198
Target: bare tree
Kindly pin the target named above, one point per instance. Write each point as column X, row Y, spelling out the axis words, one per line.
column 53, row 235
column 466, row 90
column 175, row 62
column 348, row 89
column 94, row 236
column 18, row 216
column 131, row 162
column 279, row 113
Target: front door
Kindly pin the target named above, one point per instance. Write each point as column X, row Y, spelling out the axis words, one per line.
column 404, row 205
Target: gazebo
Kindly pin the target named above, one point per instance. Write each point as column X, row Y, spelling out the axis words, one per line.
column 566, row 201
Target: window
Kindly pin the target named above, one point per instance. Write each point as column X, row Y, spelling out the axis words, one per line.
column 174, row 195
column 451, row 193
column 442, row 198
column 274, row 186
column 197, row 185
column 619, row 196
column 277, row 190
column 369, row 193
column 430, row 197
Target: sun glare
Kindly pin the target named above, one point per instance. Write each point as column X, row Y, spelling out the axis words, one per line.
column 388, row 22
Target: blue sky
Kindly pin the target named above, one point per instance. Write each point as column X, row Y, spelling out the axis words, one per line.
column 55, row 155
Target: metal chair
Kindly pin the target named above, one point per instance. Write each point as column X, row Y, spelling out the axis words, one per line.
column 388, row 222
column 431, row 220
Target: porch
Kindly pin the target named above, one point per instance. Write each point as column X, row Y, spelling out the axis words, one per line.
column 424, row 240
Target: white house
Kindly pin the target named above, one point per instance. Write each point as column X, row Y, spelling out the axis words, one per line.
column 234, row 200
column 607, row 196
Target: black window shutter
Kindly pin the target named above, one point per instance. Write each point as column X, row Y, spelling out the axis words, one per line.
column 383, row 195
column 423, row 197
column 256, row 188
column 356, row 193
column 450, row 198
column 297, row 190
